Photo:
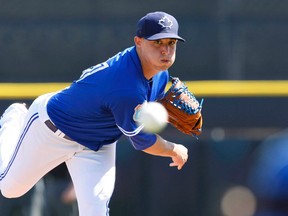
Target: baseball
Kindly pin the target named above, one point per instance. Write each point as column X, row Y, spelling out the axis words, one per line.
column 153, row 116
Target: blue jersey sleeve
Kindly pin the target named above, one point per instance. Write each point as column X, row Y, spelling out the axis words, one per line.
column 140, row 140
column 123, row 107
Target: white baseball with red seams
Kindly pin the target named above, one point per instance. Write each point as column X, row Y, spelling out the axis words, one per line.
column 153, row 116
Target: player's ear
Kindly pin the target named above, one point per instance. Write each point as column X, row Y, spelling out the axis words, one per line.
column 137, row 41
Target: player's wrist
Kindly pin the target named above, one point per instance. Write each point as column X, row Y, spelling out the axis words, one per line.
column 168, row 146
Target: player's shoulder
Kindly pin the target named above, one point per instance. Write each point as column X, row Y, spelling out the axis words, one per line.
column 123, row 56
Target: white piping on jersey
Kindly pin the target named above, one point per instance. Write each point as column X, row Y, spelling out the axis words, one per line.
column 131, row 133
column 92, row 70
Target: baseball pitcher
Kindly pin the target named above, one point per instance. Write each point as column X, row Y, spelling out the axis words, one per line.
column 80, row 125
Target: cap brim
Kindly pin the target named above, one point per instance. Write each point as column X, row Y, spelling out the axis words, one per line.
column 163, row 36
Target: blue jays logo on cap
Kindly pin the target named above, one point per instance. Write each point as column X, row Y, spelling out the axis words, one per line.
column 165, row 22
column 158, row 25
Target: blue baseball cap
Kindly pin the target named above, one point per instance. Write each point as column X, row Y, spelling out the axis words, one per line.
column 158, row 25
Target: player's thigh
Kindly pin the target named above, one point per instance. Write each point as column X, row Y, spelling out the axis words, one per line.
column 93, row 175
column 38, row 151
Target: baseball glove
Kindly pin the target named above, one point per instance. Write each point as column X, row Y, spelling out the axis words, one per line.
column 183, row 108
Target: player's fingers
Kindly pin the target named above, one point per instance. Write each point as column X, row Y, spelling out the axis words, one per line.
column 175, row 164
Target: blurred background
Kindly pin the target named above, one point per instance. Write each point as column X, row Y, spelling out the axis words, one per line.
column 238, row 167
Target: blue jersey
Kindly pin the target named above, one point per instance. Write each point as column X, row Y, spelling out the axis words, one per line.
column 98, row 108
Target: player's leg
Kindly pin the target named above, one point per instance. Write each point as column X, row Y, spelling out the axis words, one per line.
column 93, row 175
column 38, row 150
column 11, row 124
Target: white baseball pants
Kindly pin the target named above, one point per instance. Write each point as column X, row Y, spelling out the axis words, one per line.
column 38, row 150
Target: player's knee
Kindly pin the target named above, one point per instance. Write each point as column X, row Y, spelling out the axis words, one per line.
column 11, row 191
column 94, row 208
column 10, row 194
column 97, row 204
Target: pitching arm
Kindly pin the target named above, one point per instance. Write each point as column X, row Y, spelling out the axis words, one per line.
column 178, row 153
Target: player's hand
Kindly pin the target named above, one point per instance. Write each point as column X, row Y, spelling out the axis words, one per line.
column 181, row 156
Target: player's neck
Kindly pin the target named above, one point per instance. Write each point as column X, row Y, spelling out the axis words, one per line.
column 149, row 71
column 148, row 74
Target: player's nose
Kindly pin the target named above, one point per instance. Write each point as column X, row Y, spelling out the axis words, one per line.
column 165, row 50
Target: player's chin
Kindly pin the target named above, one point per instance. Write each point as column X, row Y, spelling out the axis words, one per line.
column 165, row 65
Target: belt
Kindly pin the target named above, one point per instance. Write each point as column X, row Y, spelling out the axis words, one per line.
column 53, row 128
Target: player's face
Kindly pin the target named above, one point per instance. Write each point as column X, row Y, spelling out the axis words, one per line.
column 157, row 55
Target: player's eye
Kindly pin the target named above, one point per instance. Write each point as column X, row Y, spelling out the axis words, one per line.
column 158, row 42
column 172, row 42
